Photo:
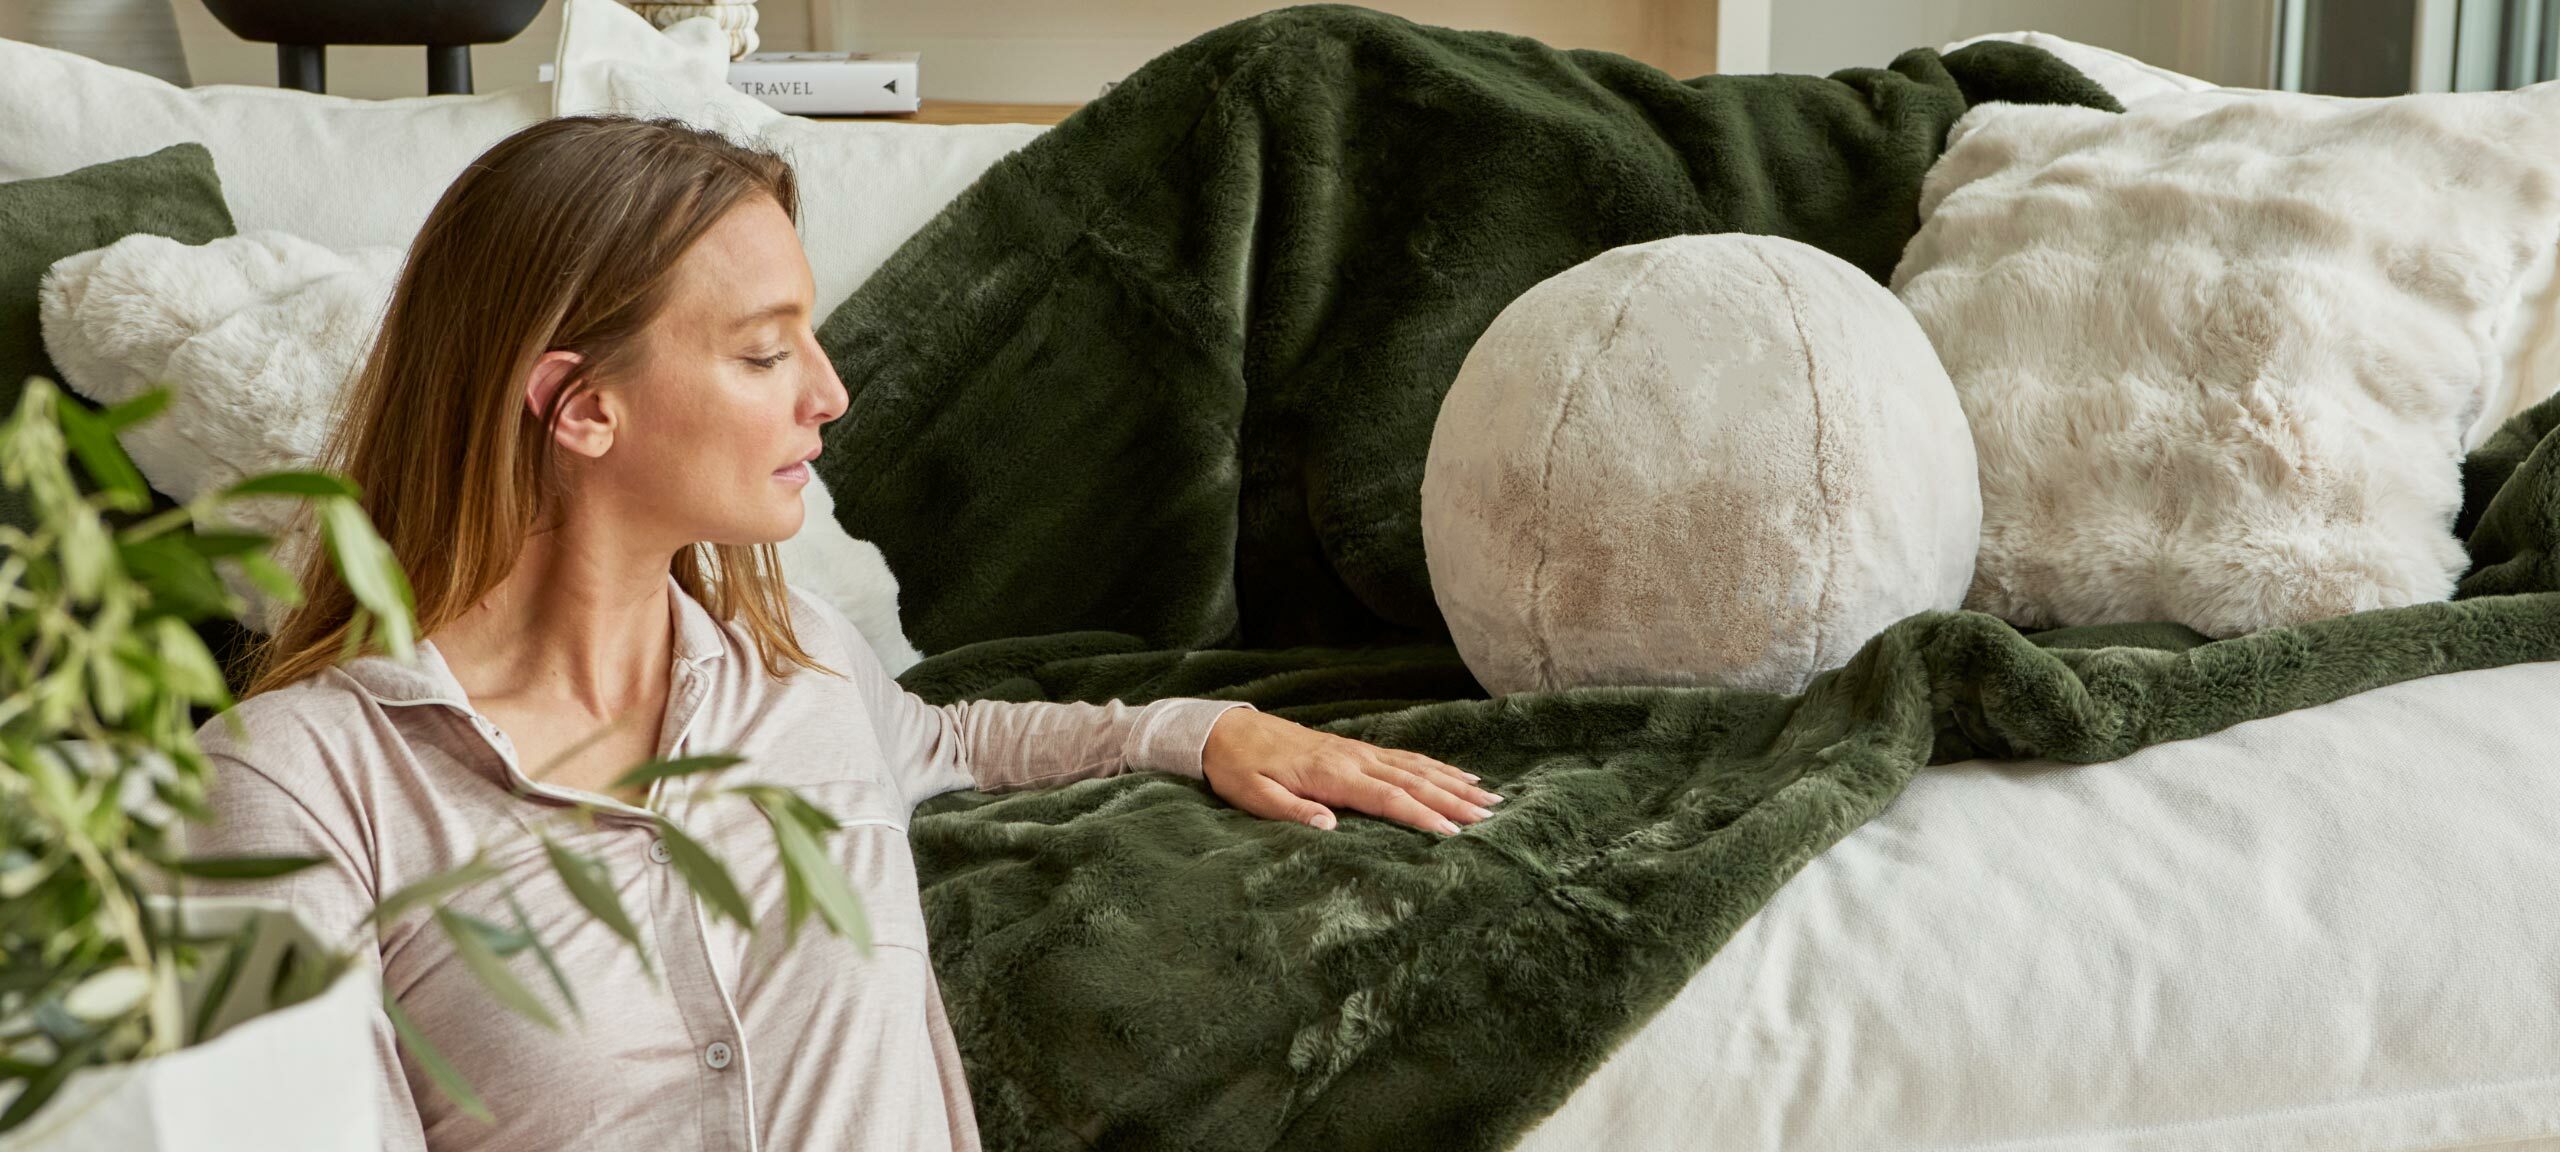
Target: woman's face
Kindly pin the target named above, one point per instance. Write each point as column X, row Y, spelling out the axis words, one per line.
column 714, row 424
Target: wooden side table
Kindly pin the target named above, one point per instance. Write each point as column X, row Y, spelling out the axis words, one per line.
column 970, row 112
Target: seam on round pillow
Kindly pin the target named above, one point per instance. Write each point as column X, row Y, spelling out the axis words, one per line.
column 1830, row 519
column 1544, row 652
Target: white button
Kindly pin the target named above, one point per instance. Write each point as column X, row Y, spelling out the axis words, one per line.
column 717, row 1055
column 658, row 851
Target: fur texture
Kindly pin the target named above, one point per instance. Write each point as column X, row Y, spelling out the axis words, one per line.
column 2222, row 354
column 1133, row 964
column 257, row 335
column 1172, row 368
column 1714, row 460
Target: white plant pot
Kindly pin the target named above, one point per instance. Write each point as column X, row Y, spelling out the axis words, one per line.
column 289, row 1080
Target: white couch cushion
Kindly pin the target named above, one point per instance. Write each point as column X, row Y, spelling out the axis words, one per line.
column 2331, row 930
column 342, row 172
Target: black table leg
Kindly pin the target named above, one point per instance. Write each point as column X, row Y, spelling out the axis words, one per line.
column 448, row 69
column 303, row 66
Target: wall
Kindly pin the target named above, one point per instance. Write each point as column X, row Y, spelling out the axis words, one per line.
column 1040, row 51
column 2225, row 41
column 1063, row 50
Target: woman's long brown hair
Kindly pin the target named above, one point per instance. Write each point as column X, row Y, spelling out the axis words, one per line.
column 561, row 236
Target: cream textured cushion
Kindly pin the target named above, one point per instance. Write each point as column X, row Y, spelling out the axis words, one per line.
column 258, row 335
column 2222, row 354
column 338, row 171
column 1705, row 460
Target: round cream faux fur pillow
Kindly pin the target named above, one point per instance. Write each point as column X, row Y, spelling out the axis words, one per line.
column 1706, row 460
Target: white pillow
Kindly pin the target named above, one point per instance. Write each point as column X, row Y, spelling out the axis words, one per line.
column 2221, row 355
column 342, row 172
column 2127, row 79
column 1720, row 460
column 258, row 335
column 864, row 187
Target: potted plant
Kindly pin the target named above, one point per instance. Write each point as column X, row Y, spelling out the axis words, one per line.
column 136, row 1013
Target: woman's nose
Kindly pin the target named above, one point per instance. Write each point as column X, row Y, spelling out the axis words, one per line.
column 831, row 397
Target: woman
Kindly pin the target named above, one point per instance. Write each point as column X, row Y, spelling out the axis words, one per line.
column 587, row 417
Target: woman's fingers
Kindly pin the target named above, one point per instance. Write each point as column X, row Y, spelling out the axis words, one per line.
column 1384, row 798
column 1450, row 779
column 1266, row 798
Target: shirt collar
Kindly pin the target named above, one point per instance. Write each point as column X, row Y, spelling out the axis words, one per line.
column 698, row 639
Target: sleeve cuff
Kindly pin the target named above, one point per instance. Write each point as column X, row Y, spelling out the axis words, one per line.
column 1170, row 734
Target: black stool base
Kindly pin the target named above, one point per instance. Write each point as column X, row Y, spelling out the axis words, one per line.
column 448, row 69
column 303, row 66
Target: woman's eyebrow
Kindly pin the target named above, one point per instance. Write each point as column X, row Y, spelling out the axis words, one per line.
column 778, row 308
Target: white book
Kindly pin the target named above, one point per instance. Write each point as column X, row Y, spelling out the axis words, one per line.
column 829, row 82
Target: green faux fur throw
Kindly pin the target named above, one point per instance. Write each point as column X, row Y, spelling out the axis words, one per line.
column 1144, row 414
column 1171, row 369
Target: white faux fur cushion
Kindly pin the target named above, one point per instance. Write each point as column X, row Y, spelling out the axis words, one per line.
column 258, row 335
column 1706, row 460
column 2222, row 355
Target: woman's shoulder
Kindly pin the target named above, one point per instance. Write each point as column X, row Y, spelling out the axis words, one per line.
column 305, row 728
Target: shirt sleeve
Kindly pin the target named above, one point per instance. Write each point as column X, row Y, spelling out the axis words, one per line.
column 255, row 816
column 1004, row 745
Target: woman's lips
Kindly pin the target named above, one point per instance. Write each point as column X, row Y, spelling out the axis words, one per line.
column 795, row 474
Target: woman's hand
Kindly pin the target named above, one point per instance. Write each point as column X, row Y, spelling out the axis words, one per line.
column 1280, row 770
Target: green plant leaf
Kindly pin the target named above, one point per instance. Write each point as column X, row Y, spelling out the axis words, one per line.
column 241, row 867
column 776, row 800
column 175, row 577
column 108, row 994
column 217, row 545
column 707, row 876
column 120, row 416
column 542, row 952
column 372, row 574
column 817, row 874
column 311, row 484
column 270, row 577
column 431, row 888
column 93, row 440
column 217, row 987
column 592, row 884
column 448, row 1080
column 187, row 669
column 678, row 766
column 489, row 968
column 501, row 939
column 87, row 553
column 39, row 1089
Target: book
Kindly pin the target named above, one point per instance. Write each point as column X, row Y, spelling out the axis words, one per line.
column 829, row 83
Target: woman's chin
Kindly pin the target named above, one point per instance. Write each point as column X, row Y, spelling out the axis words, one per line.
column 773, row 526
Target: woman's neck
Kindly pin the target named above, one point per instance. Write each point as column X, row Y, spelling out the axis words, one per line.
column 579, row 625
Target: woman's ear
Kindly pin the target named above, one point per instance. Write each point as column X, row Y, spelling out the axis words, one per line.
column 584, row 426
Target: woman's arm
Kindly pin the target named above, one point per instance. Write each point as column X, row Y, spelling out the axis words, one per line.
column 1003, row 745
column 255, row 816
column 1259, row 763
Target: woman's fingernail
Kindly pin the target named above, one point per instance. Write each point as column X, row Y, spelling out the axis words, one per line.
column 1322, row 820
column 1471, row 776
column 1495, row 797
column 1447, row 827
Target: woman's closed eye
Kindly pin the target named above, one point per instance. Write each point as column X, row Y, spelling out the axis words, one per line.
column 769, row 361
